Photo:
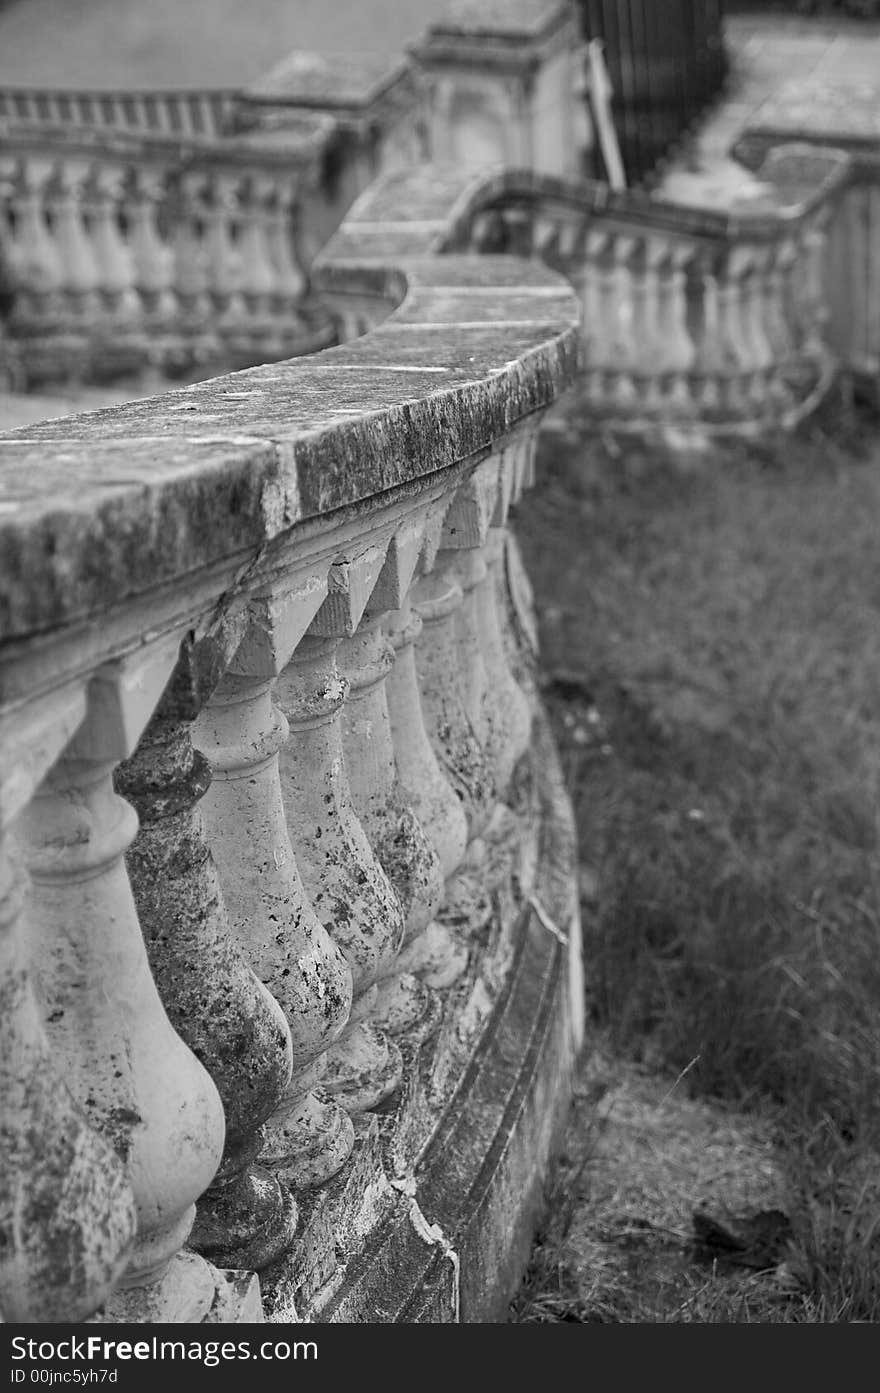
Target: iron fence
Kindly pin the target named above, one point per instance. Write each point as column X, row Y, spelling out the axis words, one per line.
column 666, row 60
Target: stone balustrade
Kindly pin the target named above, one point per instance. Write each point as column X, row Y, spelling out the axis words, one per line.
column 185, row 114
column 127, row 252
column 174, row 230
column 695, row 322
column 852, row 270
column 287, row 899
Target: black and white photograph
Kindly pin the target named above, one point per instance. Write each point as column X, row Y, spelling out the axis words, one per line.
column 439, row 680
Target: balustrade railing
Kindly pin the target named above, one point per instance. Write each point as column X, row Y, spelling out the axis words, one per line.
column 258, row 734
column 851, row 284
column 124, row 252
column 692, row 319
column 184, row 114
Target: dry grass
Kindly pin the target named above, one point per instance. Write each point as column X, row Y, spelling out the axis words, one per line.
column 711, row 639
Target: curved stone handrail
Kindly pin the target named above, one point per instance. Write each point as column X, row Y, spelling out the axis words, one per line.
column 216, row 581
column 697, row 319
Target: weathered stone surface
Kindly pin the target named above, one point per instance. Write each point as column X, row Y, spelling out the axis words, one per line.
column 514, row 17
column 138, row 1083
column 475, row 1166
column 67, row 1214
column 215, row 1002
column 329, row 80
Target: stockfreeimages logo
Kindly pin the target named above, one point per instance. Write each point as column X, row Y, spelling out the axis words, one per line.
column 94, row 1348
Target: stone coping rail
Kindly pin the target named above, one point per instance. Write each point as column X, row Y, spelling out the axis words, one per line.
column 297, row 146
column 806, row 180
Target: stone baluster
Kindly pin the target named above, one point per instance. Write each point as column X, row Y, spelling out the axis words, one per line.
column 513, row 591
column 812, row 300
column 153, row 260
column 246, row 1218
column 282, row 217
column 674, row 338
column 398, row 838
column 777, row 317
column 444, row 651
column 242, row 733
column 544, row 234
column 259, row 278
column 79, row 270
column 760, row 351
column 518, row 223
column 350, row 891
column 611, row 255
column 710, row 364
column 138, row 1083
column 141, row 112
column 192, row 273
column 648, row 348
column 620, row 285
column 223, row 255
column 511, row 712
column 473, row 538
column 67, row 1214
column 34, row 253
column 488, row 232
column 158, row 107
column 425, row 787
column 113, row 257
column 84, row 109
column 735, row 265
column 347, row 886
column 595, row 327
column 571, row 238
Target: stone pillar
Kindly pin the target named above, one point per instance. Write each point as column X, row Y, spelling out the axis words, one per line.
column 242, row 733
column 67, row 1214
column 138, row 1083
column 503, row 85
column 246, row 1218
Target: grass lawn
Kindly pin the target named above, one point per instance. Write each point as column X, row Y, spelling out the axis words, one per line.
column 710, row 632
